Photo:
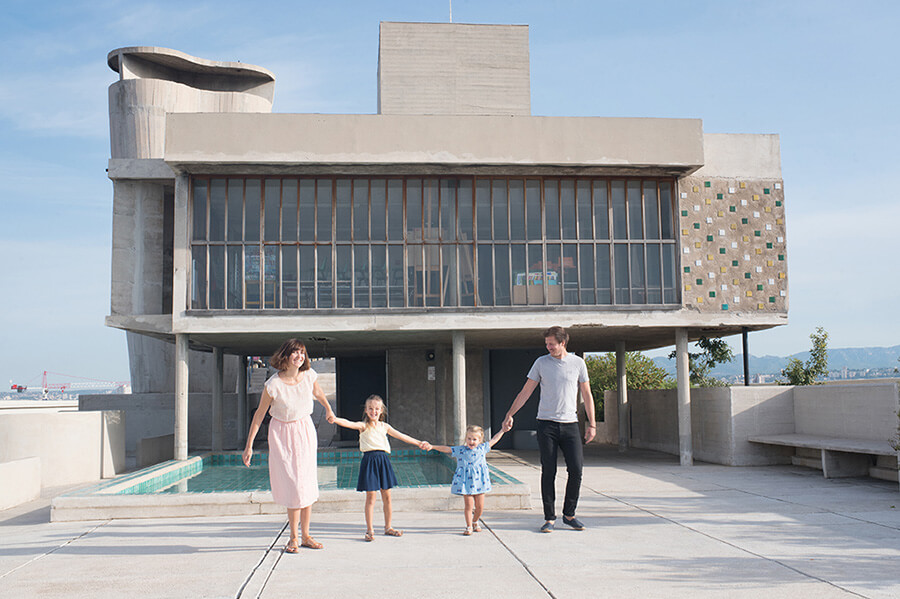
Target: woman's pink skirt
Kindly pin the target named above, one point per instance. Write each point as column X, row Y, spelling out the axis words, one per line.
column 292, row 462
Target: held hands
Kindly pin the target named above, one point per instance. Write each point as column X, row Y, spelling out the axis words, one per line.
column 507, row 423
column 424, row 445
column 330, row 417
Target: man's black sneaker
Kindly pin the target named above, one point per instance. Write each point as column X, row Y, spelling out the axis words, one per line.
column 573, row 523
column 548, row 526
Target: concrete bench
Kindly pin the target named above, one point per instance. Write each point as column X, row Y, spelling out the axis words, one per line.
column 840, row 457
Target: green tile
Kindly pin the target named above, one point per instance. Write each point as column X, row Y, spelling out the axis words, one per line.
column 766, row 190
column 781, row 256
column 687, row 269
column 769, row 245
column 699, row 281
column 709, row 238
column 734, row 262
column 732, row 209
column 759, row 287
column 721, row 250
column 778, row 202
column 746, row 275
column 707, row 184
column 744, row 221
column 719, row 196
column 756, row 233
column 696, row 225
column 724, row 306
column 771, row 300
column 712, row 294
column 684, row 213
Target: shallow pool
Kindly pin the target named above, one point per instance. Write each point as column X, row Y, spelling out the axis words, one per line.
column 224, row 472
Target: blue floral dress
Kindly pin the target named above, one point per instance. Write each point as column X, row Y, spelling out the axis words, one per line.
column 472, row 475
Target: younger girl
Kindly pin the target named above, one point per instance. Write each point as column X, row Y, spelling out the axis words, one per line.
column 375, row 470
column 472, row 478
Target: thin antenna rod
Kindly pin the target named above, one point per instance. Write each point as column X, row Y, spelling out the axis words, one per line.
column 451, row 10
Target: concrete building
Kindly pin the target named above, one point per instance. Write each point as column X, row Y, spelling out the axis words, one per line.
column 425, row 247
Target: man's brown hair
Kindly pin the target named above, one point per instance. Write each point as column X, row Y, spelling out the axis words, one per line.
column 558, row 333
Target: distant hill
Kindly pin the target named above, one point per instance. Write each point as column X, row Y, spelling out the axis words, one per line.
column 852, row 358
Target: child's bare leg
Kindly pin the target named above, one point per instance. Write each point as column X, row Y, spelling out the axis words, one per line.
column 479, row 508
column 469, row 503
column 370, row 510
column 388, row 510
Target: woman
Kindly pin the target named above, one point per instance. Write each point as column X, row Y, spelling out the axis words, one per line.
column 292, row 437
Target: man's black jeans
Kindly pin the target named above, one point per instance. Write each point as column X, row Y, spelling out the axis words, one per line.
column 551, row 437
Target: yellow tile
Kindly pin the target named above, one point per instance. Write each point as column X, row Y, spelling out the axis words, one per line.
column 710, row 257
column 781, row 275
column 733, row 227
column 779, row 221
column 721, row 213
column 760, row 306
column 769, row 263
column 735, row 282
column 746, row 238
column 696, row 189
column 768, row 209
column 749, row 294
column 697, row 244
column 708, row 201
column 755, row 196
column 759, row 250
column 723, row 269
column 687, row 287
column 684, row 231
column 743, row 185
column 699, row 300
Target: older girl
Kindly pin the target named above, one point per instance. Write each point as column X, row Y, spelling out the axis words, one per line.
column 288, row 395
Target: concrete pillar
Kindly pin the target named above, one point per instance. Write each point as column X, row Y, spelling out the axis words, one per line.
column 459, row 386
column 685, row 445
column 217, row 398
column 622, row 396
column 181, row 258
column 181, row 396
column 242, row 403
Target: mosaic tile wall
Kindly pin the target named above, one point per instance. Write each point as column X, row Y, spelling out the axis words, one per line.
column 734, row 255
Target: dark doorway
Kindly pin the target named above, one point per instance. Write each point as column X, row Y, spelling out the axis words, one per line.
column 508, row 371
column 358, row 377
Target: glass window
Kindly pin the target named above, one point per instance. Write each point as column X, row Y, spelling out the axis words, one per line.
column 217, row 210
column 252, row 209
column 199, row 210
column 262, row 243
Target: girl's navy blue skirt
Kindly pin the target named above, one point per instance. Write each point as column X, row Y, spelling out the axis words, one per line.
column 376, row 472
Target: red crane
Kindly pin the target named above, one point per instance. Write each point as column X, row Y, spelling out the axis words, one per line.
column 85, row 383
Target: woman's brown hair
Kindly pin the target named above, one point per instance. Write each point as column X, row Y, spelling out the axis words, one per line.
column 280, row 359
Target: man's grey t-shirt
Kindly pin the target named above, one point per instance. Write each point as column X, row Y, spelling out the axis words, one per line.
column 559, row 379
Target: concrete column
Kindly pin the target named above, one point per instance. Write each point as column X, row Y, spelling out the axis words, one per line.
column 217, row 398
column 181, row 396
column 242, row 403
column 459, row 386
column 181, row 258
column 622, row 396
column 685, row 445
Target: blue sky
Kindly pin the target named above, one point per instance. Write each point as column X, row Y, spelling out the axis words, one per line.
column 822, row 74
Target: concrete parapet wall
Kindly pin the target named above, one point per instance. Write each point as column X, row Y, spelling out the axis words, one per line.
column 73, row 447
column 866, row 411
column 153, row 414
column 20, row 481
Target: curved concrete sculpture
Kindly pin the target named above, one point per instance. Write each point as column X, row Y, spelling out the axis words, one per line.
column 154, row 81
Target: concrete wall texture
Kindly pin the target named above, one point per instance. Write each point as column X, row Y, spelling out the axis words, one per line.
column 451, row 68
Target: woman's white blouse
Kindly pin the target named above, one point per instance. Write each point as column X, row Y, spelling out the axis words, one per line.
column 291, row 402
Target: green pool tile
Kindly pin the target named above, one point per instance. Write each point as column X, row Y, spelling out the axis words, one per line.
column 778, row 202
column 771, row 300
column 712, row 294
column 744, row 221
column 766, row 190
column 769, row 245
column 781, row 256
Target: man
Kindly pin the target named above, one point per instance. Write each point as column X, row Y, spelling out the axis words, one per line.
column 562, row 376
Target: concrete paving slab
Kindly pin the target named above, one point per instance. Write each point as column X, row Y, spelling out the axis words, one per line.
column 655, row 529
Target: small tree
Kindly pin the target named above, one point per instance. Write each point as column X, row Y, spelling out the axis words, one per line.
column 798, row 373
column 640, row 371
column 715, row 351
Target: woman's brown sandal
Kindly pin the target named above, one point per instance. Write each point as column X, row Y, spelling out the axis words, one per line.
column 370, row 536
column 311, row 543
column 391, row 532
column 291, row 546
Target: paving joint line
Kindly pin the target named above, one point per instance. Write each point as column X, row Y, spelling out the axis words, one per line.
column 55, row 549
column 518, row 559
column 260, row 563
